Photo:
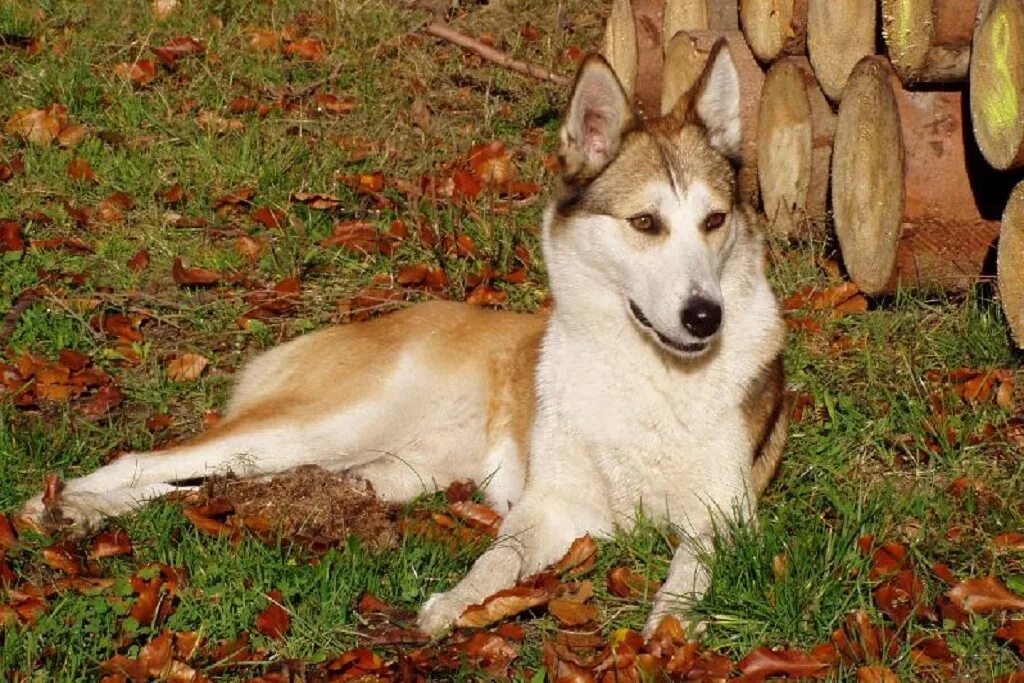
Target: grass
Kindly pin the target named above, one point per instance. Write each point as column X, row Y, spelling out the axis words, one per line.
column 856, row 465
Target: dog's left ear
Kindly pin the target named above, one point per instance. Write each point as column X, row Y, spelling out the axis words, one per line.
column 599, row 113
column 715, row 101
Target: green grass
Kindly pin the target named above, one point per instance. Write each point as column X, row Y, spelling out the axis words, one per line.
column 843, row 477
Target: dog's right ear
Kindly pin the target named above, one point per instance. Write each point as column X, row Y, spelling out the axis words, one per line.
column 599, row 114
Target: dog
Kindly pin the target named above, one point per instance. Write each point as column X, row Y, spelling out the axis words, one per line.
column 655, row 382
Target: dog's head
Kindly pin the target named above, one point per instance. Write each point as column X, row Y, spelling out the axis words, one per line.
column 650, row 209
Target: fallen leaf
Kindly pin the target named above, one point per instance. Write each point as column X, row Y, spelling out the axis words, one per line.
column 194, row 276
column 1011, row 540
column 269, row 218
column 876, row 674
column 478, row 516
column 264, row 40
column 581, row 558
column 8, row 539
column 490, row 652
column 60, row 557
column 274, row 621
column 984, row 596
column 80, row 169
column 316, row 200
column 110, row 543
column 415, row 274
column 1013, row 632
column 887, row 559
column 507, row 603
column 307, row 48
column 186, row 367
column 38, row 126
column 625, row 583
column 357, row 235
column 139, row 73
column 102, row 402
column 250, row 247
column 140, row 261
column 10, row 236
column 485, row 295
column 764, row 662
column 571, row 613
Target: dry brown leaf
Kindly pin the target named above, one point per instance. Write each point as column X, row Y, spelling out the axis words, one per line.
column 571, row 612
column 506, row 603
column 38, row 126
column 80, row 169
column 265, row 40
column 139, row 73
column 194, row 275
column 110, row 543
column 876, row 674
column 1011, row 540
column 186, row 367
column 764, row 662
column 984, row 596
column 477, row 515
column 307, row 48
column 625, row 583
column 581, row 558
column 274, row 621
column 139, row 261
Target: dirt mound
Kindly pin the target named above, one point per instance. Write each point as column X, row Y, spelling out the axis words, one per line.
column 307, row 505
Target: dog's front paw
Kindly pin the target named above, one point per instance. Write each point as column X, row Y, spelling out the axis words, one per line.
column 441, row 611
column 670, row 606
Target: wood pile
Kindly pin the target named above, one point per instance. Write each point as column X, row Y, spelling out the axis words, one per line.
column 896, row 126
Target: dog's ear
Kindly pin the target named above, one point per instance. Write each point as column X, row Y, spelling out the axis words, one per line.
column 714, row 101
column 598, row 115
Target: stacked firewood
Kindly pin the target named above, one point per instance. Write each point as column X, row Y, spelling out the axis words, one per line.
column 908, row 145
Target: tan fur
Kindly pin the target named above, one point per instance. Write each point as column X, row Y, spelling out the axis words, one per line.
column 766, row 411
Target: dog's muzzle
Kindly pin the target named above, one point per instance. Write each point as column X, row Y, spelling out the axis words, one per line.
column 644, row 321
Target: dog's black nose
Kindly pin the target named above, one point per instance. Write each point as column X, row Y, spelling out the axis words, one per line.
column 701, row 317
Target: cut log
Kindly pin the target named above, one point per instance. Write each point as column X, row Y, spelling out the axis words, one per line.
column 620, row 44
column 905, row 214
column 683, row 15
column 1011, row 264
column 929, row 41
column 997, row 83
column 775, row 28
column 723, row 15
column 686, row 56
column 794, row 149
column 698, row 15
column 839, row 34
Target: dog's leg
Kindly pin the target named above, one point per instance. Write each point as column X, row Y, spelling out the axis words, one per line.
column 84, row 507
column 238, row 445
column 537, row 532
column 688, row 575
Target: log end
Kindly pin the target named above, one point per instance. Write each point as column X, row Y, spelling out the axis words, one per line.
column 839, row 34
column 867, row 176
column 997, row 84
column 785, row 131
column 1010, row 265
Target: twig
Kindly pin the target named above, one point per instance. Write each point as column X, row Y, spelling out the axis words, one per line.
column 21, row 304
column 446, row 32
column 317, row 84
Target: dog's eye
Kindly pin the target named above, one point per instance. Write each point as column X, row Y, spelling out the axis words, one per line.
column 643, row 223
column 714, row 221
